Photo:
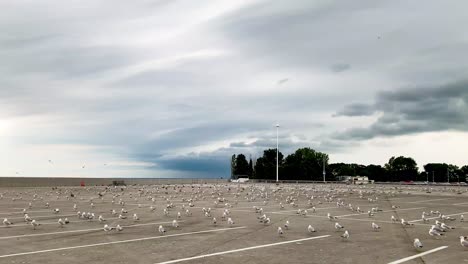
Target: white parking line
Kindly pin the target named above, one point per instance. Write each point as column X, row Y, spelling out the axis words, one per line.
column 80, row 230
column 418, row 255
column 424, row 201
column 430, row 218
column 120, row 241
column 240, row 249
column 461, row 203
column 405, row 209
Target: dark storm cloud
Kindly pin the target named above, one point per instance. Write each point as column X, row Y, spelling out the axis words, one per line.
column 413, row 110
column 356, row 110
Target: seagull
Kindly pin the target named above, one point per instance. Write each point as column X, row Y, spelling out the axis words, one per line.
column 230, row 221
column 331, row 217
column 345, row 235
column 280, row 231
column 462, row 218
column 370, row 214
column 437, row 228
column 375, row 226
column 179, row 215
column 425, row 220
column 101, row 219
column 107, row 228
column 122, row 216
column 27, row 218
column 135, row 217
column 433, row 232
column 286, row 225
column 338, row 226
column 6, row 222
column 66, row 221
column 34, row 224
column 417, row 244
column 463, row 241
column 175, row 224
column 405, row 223
column 56, row 211
column 444, row 226
column 394, row 219
column 310, row 229
column 61, row 222
column 161, row 230
column 119, row 228
column 214, row 220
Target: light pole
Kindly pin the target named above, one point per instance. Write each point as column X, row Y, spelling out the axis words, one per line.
column 324, row 173
column 277, row 162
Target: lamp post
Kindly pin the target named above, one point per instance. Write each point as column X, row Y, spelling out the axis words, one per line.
column 324, row 173
column 277, row 162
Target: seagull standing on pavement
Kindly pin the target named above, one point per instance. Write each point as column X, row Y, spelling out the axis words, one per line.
column 6, row 222
column 107, row 228
column 463, row 241
column 310, row 229
column 161, row 230
column 405, row 223
column 280, row 231
column 345, row 235
column 417, row 244
column 375, row 226
column 338, row 226
column 34, row 224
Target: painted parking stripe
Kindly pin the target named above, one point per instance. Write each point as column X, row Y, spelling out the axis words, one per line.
column 430, row 218
column 425, row 201
column 404, row 209
column 79, row 231
column 120, row 242
column 418, row 255
column 241, row 249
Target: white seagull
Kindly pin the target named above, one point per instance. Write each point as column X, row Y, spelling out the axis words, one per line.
column 417, row 244
column 280, row 231
column 161, row 230
column 310, row 229
column 6, row 222
column 34, row 224
column 345, row 235
column 338, row 226
column 463, row 241
column 375, row 226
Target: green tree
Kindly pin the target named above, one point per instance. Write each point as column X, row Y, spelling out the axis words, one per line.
column 250, row 172
column 242, row 166
column 305, row 164
column 402, row 169
column 265, row 167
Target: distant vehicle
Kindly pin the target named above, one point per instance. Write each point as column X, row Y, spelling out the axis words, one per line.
column 240, row 180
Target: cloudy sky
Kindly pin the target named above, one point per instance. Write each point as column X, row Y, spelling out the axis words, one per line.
column 169, row 88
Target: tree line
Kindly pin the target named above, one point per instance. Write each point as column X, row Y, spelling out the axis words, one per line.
column 308, row 164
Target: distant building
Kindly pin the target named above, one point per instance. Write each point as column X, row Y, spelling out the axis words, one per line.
column 355, row 179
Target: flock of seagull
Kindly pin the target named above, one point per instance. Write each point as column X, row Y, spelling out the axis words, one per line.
column 224, row 197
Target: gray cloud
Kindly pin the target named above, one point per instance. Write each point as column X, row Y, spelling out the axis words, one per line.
column 413, row 110
column 186, row 90
column 356, row 110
